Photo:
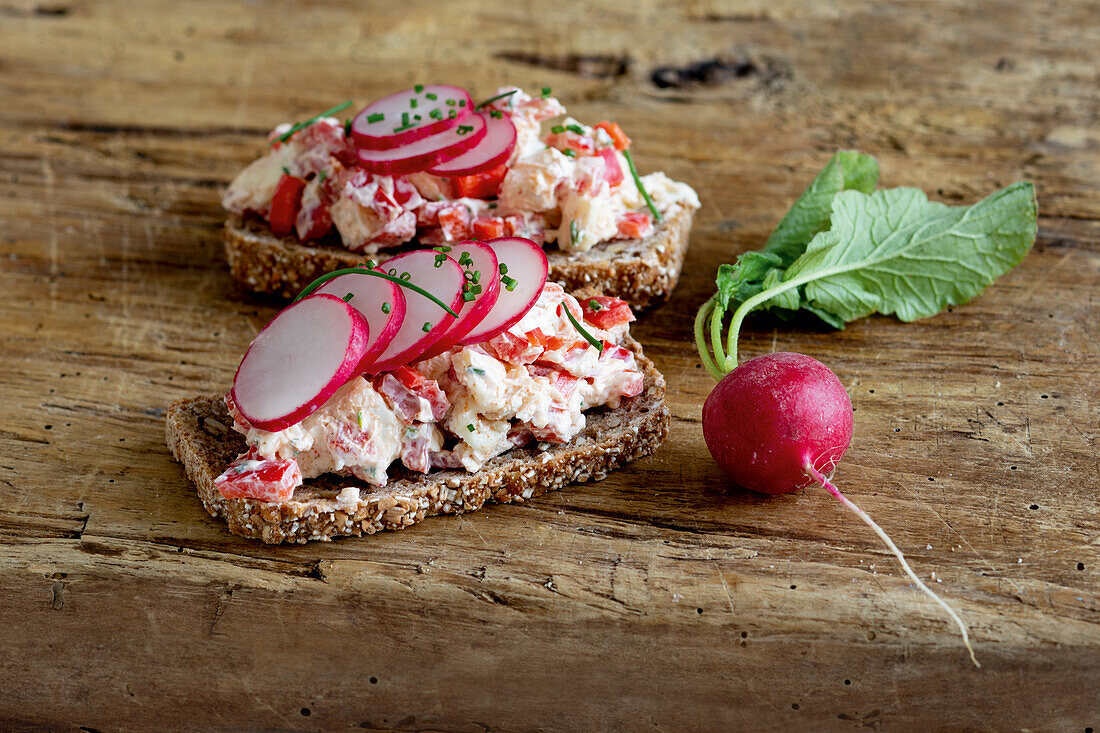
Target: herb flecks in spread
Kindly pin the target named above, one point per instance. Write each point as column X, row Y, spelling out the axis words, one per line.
column 529, row 383
column 533, row 172
column 845, row 251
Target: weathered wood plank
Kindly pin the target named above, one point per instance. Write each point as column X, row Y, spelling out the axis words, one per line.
column 661, row 597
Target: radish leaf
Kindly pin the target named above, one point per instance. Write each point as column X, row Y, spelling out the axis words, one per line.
column 894, row 251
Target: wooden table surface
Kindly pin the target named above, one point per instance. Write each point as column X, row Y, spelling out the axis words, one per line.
column 661, row 598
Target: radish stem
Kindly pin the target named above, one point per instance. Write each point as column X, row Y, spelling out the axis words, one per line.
column 828, row 486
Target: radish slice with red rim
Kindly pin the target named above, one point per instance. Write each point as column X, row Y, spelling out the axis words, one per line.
column 298, row 360
column 381, row 303
column 425, row 322
column 409, row 115
column 425, row 152
column 523, row 270
column 480, row 268
column 493, row 150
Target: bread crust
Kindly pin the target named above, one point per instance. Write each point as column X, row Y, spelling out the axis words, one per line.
column 642, row 272
column 200, row 438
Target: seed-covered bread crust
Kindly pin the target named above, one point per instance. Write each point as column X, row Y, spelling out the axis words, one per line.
column 642, row 272
column 200, row 437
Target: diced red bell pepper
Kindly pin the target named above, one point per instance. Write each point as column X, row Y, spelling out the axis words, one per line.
column 606, row 312
column 612, row 171
column 569, row 140
column 564, row 383
column 480, row 185
column 515, row 350
column 269, row 479
column 635, row 225
column 488, row 227
column 622, row 142
column 285, row 204
column 455, row 223
column 421, row 386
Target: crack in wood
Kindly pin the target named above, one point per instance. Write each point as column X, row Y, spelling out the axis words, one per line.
column 590, row 66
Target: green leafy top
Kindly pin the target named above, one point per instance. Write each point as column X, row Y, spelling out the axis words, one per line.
column 844, row 251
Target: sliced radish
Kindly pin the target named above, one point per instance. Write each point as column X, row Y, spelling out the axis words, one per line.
column 427, row 151
column 525, row 265
column 409, row 115
column 478, row 262
column 493, row 150
column 379, row 301
column 425, row 322
column 307, row 352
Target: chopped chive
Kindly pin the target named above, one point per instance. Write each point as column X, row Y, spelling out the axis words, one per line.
column 413, row 103
column 347, row 127
column 568, row 152
column 575, row 128
column 359, row 418
column 476, row 278
column 465, row 260
column 450, row 103
column 470, row 427
column 286, row 171
column 376, row 117
column 431, row 96
column 348, row 297
column 406, row 276
column 490, row 100
column 640, row 185
column 463, row 129
column 418, row 88
column 439, row 258
column 509, row 283
column 386, row 308
column 545, row 92
column 462, row 103
column 371, row 264
column 598, row 345
column 574, row 232
column 594, row 305
column 436, row 114
column 451, row 114
column 308, row 289
column 503, row 269
column 416, row 117
column 468, row 296
column 442, row 248
column 496, row 114
column 426, row 327
column 557, row 129
column 299, row 125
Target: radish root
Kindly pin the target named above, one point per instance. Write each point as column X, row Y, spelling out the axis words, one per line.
column 828, row 486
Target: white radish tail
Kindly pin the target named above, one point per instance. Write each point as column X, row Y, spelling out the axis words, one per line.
column 828, row 486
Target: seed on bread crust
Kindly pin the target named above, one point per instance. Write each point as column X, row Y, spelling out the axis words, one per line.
column 642, row 272
column 320, row 511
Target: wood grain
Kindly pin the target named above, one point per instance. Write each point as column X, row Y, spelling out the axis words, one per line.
column 661, row 598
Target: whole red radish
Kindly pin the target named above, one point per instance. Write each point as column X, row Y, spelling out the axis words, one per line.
column 781, row 422
column 773, row 416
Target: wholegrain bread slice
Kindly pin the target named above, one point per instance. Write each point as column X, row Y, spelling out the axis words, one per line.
column 642, row 272
column 200, row 438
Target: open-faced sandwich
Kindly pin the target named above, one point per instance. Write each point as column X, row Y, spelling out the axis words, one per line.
column 426, row 166
column 439, row 381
